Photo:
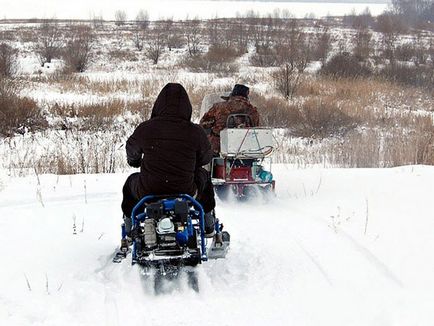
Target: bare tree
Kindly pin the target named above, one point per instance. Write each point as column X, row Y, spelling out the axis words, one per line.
column 8, row 60
column 238, row 34
column 155, row 46
column 295, row 54
column 414, row 11
column 174, row 37
column 387, row 25
column 78, row 51
column 139, row 37
column 213, row 31
column 362, row 44
column 49, row 41
column 421, row 50
column 193, row 36
column 97, row 21
column 142, row 19
column 323, row 44
column 120, row 17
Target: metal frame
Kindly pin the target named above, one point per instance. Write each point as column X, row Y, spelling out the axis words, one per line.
column 140, row 217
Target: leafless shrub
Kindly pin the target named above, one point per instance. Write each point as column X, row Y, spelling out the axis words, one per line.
column 323, row 118
column 405, row 52
column 192, row 32
column 276, row 112
column 155, row 45
column 362, row 44
column 174, row 37
column 122, row 55
column 419, row 76
column 8, row 61
column 217, row 59
column 120, row 17
column 49, row 41
column 287, row 78
column 264, row 57
column 415, row 12
column 78, row 50
column 390, row 26
column 295, row 54
column 139, row 36
column 345, row 65
column 142, row 19
column 234, row 34
column 97, row 21
column 322, row 45
column 362, row 21
column 17, row 115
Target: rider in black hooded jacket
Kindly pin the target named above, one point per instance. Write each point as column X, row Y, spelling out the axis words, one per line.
column 170, row 151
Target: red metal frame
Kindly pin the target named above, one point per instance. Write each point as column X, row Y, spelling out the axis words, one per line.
column 238, row 176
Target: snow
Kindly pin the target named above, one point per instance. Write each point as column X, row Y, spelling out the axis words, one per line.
column 303, row 258
column 176, row 9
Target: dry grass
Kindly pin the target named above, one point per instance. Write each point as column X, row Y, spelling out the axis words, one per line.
column 355, row 123
column 122, row 55
column 100, row 116
column 17, row 114
column 216, row 60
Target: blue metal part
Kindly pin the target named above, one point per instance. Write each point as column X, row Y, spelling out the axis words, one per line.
column 190, row 228
column 168, row 205
column 182, row 237
column 217, row 226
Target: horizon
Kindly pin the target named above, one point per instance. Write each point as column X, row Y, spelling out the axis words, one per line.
column 182, row 9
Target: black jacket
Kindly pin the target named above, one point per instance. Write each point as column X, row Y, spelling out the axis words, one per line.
column 168, row 147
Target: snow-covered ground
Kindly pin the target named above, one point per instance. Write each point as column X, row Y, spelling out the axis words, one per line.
column 335, row 247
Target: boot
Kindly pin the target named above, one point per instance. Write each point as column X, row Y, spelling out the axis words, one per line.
column 210, row 224
column 128, row 225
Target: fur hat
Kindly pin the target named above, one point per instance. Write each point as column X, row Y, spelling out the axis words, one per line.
column 238, row 90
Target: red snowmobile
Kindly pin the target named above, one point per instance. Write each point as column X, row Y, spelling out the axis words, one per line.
column 243, row 166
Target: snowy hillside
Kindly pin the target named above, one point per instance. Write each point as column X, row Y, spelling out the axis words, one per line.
column 336, row 247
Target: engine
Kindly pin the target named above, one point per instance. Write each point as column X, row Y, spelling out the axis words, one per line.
column 167, row 231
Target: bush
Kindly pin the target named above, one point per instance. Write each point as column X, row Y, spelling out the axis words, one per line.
column 345, row 65
column 323, row 118
column 17, row 114
column 97, row 116
column 78, row 51
column 8, row 60
column 419, row 76
column 217, row 59
column 405, row 52
column 265, row 57
column 276, row 112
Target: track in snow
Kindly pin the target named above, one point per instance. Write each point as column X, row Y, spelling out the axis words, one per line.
column 301, row 259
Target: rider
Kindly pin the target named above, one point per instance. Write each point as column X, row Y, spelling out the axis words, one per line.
column 170, row 151
column 215, row 120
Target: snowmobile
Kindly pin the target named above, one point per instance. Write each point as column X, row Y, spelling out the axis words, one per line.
column 168, row 235
column 243, row 166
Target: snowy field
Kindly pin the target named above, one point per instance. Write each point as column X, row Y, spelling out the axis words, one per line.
column 176, row 9
column 336, row 247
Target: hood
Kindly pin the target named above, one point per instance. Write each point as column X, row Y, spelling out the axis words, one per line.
column 172, row 101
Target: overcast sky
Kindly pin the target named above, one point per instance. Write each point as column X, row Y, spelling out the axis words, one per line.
column 177, row 9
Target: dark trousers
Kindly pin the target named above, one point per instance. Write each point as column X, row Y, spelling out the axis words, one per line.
column 202, row 179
